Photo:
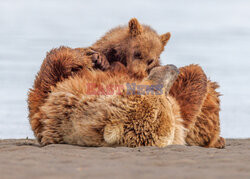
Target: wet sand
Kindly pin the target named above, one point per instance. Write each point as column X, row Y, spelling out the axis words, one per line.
column 26, row 159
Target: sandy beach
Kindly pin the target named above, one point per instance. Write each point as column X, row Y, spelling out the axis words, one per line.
column 26, row 159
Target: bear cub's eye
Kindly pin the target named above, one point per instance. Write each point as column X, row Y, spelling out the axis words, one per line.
column 137, row 55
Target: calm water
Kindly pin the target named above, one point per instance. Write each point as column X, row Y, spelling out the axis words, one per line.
column 214, row 34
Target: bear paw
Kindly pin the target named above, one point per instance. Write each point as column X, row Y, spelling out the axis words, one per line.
column 113, row 133
column 100, row 61
column 221, row 143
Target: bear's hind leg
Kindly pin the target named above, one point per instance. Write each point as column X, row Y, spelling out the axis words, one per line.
column 206, row 131
column 190, row 90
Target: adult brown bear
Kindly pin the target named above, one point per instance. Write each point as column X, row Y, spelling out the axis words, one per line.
column 71, row 115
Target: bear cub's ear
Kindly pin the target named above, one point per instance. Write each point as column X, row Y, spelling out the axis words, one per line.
column 165, row 37
column 135, row 27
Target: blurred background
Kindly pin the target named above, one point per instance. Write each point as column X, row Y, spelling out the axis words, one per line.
column 214, row 34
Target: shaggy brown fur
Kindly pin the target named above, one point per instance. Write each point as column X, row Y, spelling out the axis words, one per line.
column 200, row 105
column 205, row 130
column 57, row 66
column 135, row 46
column 70, row 116
column 197, row 96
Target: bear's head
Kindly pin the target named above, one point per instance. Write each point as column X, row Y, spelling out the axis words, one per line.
column 144, row 47
column 137, row 47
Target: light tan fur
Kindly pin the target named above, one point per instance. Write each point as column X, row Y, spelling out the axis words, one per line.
column 70, row 116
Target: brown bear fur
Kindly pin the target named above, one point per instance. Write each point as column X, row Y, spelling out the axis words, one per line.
column 63, row 62
column 200, row 105
column 128, row 45
column 70, row 116
column 57, row 66
column 206, row 128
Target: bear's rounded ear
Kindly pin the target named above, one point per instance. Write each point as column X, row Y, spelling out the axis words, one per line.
column 165, row 38
column 135, row 27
